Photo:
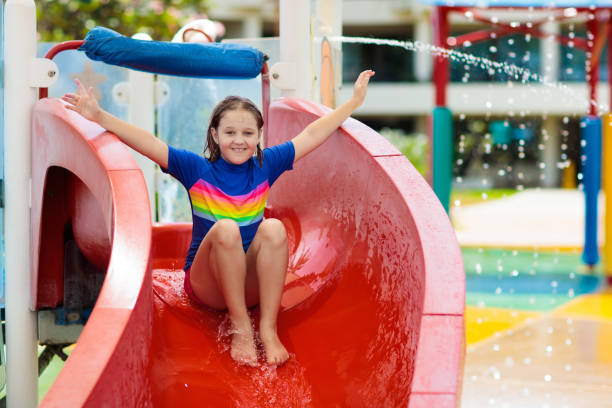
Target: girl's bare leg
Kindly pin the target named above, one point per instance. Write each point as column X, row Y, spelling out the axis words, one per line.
column 269, row 255
column 219, row 278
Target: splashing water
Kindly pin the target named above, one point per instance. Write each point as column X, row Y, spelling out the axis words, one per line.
column 517, row 73
column 267, row 386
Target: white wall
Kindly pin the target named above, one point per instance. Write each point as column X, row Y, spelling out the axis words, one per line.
column 393, row 99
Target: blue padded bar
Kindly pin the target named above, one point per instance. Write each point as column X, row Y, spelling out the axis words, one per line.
column 198, row 60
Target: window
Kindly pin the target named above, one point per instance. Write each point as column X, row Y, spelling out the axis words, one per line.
column 516, row 49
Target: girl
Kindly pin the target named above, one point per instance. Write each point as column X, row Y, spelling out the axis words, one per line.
column 236, row 259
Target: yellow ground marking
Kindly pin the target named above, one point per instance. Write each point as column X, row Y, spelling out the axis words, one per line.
column 593, row 306
column 483, row 322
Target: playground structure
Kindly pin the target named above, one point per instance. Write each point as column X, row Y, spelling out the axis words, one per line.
column 372, row 311
column 594, row 129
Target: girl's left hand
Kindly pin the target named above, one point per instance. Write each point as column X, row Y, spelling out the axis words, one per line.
column 361, row 85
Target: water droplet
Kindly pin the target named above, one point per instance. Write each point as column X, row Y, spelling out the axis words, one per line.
column 549, row 349
column 496, row 347
column 568, row 341
column 548, row 378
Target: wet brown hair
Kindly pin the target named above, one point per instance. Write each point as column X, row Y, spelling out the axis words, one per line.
column 227, row 104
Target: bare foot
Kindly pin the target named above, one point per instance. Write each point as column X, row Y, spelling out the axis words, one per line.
column 243, row 348
column 276, row 353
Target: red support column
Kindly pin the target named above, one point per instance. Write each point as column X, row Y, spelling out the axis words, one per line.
column 440, row 78
column 593, row 66
column 441, row 63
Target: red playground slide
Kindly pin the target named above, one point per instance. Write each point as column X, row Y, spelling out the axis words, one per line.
column 372, row 313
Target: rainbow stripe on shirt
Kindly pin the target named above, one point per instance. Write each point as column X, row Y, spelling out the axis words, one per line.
column 213, row 204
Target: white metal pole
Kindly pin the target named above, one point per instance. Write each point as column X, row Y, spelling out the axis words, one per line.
column 422, row 64
column 142, row 114
column 295, row 45
column 19, row 54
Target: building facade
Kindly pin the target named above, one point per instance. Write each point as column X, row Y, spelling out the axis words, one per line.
column 508, row 133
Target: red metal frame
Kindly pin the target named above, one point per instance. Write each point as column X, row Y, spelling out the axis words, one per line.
column 63, row 46
column 484, row 35
column 441, row 64
column 593, row 46
column 73, row 45
column 592, row 66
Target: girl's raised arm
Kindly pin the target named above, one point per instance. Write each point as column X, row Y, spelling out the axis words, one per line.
column 319, row 130
column 145, row 143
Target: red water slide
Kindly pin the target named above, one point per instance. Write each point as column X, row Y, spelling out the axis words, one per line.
column 372, row 312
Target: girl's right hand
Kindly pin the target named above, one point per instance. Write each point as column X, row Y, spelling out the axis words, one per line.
column 361, row 86
column 83, row 102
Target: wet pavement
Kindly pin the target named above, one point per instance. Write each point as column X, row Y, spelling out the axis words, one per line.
column 538, row 324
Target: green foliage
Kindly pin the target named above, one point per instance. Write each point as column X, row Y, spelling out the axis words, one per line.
column 63, row 20
column 477, row 196
column 413, row 146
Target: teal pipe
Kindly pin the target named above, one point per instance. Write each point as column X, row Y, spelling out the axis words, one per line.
column 443, row 147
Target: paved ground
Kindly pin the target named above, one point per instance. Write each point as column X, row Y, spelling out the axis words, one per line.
column 544, row 218
column 552, row 355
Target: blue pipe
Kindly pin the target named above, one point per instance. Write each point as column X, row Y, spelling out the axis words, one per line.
column 590, row 142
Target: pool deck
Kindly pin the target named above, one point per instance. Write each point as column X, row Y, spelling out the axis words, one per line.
column 519, row 358
column 542, row 218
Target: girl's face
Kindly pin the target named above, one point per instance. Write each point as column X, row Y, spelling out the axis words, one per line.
column 237, row 136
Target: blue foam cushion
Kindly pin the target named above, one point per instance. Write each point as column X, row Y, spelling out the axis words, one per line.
column 199, row 60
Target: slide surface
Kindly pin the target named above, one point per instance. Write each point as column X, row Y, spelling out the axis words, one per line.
column 372, row 312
